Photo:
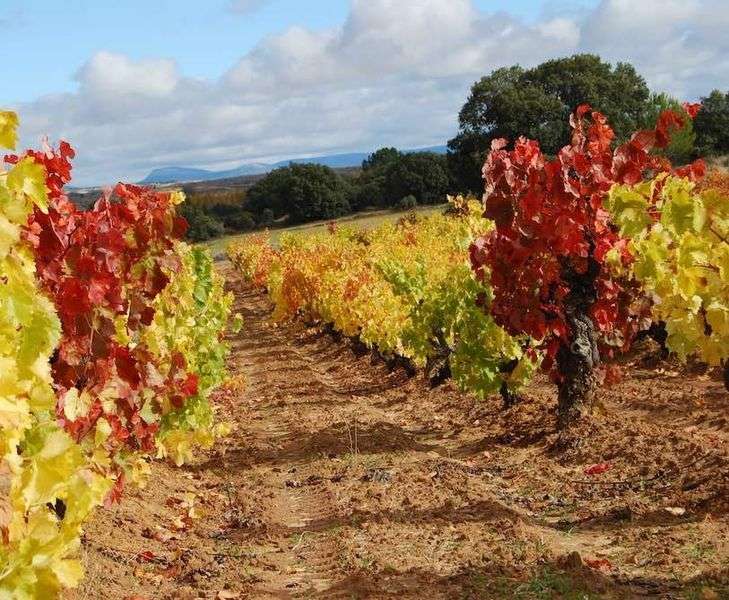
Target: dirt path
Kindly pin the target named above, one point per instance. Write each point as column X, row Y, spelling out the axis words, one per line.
column 345, row 480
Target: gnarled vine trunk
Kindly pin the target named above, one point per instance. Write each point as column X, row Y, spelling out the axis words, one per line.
column 438, row 364
column 509, row 397
column 577, row 360
column 657, row 332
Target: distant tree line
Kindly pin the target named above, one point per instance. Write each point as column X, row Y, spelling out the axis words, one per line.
column 510, row 102
column 300, row 193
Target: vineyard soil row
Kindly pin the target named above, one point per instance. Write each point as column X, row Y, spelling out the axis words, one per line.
column 343, row 479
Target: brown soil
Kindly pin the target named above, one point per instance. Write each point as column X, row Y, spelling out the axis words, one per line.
column 343, row 479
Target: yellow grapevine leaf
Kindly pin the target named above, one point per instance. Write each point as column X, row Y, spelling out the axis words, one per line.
column 27, row 179
column 8, row 129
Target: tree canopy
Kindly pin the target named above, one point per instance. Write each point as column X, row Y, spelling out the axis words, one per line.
column 537, row 102
column 381, row 158
column 304, row 192
column 388, row 176
column 712, row 124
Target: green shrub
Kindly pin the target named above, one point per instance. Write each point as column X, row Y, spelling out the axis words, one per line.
column 201, row 225
column 407, row 203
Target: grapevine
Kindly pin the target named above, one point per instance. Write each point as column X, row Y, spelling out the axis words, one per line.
column 111, row 331
column 40, row 463
column 546, row 256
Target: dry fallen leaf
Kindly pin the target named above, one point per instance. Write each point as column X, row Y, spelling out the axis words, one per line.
column 599, row 564
column 598, row 469
column 227, row 595
column 675, row 510
column 146, row 556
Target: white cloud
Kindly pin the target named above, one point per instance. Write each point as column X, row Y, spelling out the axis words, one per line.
column 680, row 46
column 561, row 30
column 109, row 74
column 394, row 73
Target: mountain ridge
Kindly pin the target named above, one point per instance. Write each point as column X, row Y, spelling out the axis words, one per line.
column 177, row 174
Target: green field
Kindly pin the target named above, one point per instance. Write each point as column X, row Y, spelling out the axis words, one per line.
column 365, row 220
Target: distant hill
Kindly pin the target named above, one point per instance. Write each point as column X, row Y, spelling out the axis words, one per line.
column 185, row 174
column 335, row 161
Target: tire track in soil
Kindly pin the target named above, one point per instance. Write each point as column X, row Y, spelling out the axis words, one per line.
column 279, row 372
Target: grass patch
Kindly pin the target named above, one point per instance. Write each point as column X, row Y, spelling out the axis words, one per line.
column 699, row 551
column 365, row 220
column 546, row 584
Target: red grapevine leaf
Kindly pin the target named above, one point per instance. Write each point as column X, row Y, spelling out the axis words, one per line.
column 189, row 388
column 127, row 367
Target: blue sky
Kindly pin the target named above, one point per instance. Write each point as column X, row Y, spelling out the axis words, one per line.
column 48, row 40
column 51, row 39
column 135, row 85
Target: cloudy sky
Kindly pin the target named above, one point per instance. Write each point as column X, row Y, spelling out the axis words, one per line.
column 141, row 84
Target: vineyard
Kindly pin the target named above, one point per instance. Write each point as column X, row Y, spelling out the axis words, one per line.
column 523, row 396
column 570, row 261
